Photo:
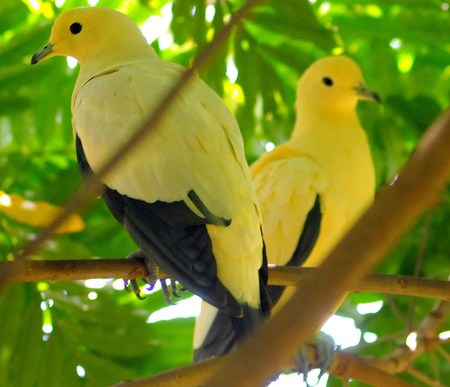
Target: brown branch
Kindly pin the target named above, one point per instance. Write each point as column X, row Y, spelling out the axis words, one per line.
column 418, row 187
column 423, row 378
column 419, row 262
column 93, row 184
column 401, row 359
column 186, row 376
column 344, row 366
column 72, row 270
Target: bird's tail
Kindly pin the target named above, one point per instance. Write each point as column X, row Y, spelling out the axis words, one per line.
column 217, row 333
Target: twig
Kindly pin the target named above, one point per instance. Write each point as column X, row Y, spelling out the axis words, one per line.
column 423, row 378
column 72, row 270
column 391, row 302
column 426, row 331
column 419, row 263
column 441, row 351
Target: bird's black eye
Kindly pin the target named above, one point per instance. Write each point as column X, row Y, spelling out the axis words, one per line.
column 76, row 28
column 327, row 81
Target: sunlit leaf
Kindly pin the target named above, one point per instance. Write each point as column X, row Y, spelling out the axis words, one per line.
column 37, row 214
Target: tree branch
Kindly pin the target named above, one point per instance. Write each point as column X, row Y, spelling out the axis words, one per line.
column 72, row 270
column 345, row 366
column 418, row 187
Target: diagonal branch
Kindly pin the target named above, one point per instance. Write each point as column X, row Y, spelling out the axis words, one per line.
column 345, row 365
column 418, row 187
column 72, row 270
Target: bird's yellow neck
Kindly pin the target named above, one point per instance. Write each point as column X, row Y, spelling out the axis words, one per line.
column 104, row 59
column 338, row 142
column 327, row 126
column 99, row 62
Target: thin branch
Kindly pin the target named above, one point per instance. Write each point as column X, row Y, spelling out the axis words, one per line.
column 401, row 359
column 72, row 270
column 93, row 184
column 418, row 187
column 349, row 366
column 419, row 263
column 380, row 340
column 423, row 378
column 395, row 309
column 430, row 325
column 441, row 351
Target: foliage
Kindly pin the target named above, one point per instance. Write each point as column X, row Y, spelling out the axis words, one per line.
column 402, row 47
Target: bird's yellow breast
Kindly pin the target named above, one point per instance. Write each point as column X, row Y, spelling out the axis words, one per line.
column 346, row 162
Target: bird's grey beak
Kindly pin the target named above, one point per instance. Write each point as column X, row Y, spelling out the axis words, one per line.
column 365, row 93
column 42, row 53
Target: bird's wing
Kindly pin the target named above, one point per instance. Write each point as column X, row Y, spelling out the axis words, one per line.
column 188, row 150
column 290, row 187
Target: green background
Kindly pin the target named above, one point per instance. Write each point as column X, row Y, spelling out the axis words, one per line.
column 403, row 48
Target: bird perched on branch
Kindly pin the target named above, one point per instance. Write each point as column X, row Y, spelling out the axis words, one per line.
column 184, row 193
column 314, row 187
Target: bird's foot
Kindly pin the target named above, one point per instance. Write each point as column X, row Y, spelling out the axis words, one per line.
column 152, row 278
column 323, row 348
column 170, row 290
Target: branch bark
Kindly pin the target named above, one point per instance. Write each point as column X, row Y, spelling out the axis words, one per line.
column 418, row 187
column 72, row 270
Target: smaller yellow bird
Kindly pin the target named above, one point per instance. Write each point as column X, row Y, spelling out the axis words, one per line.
column 313, row 188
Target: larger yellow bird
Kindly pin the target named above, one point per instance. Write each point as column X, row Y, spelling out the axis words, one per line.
column 185, row 193
column 313, row 188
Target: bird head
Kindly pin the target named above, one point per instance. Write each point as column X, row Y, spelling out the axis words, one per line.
column 332, row 85
column 93, row 33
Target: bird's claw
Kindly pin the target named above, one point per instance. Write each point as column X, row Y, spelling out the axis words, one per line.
column 134, row 287
column 152, row 278
column 324, row 348
column 152, row 267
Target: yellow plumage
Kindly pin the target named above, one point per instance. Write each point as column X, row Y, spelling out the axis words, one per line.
column 328, row 157
column 189, row 171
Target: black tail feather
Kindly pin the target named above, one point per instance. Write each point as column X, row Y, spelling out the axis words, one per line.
column 226, row 332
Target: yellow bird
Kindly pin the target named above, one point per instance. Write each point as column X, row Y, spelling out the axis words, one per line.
column 184, row 193
column 313, row 188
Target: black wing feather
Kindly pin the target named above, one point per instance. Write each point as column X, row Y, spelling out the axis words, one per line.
column 174, row 237
column 306, row 242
